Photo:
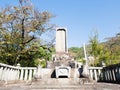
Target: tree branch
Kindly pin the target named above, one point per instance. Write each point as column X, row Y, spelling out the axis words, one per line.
column 29, row 40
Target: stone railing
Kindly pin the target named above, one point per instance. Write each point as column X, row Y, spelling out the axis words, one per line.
column 111, row 74
column 94, row 72
column 26, row 73
column 12, row 73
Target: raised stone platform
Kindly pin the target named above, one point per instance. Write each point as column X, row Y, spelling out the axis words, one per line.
column 62, row 81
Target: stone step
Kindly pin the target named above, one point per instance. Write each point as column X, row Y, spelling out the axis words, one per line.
column 48, row 87
column 59, row 87
column 61, row 81
column 90, row 86
column 34, row 86
column 73, row 87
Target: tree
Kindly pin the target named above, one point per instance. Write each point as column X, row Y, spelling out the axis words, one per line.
column 96, row 50
column 20, row 28
column 107, row 52
column 76, row 52
column 112, row 45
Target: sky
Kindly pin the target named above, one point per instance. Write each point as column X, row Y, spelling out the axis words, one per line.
column 81, row 17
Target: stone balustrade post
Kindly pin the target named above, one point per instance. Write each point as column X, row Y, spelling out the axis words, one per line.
column 18, row 65
column 30, row 75
column 38, row 73
column 26, row 74
column 95, row 73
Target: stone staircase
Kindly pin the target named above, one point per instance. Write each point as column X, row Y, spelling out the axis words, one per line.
column 46, row 82
column 49, row 84
column 62, row 81
column 59, row 84
column 59, row 87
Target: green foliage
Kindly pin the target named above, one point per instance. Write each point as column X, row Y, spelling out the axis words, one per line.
column 82, row 60
column 76, row 52
column 112, row 45
column 21, row 28
column 107, row 52
column 41, row 62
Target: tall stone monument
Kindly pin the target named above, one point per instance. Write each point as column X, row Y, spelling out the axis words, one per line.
column 61, row 56
column 61, row 40
column 61, row 44
column 62, row 63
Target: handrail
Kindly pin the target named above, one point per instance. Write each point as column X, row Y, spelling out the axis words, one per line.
column 13, row 73
column 9, row 66
column 95, row 72
column 111, row 74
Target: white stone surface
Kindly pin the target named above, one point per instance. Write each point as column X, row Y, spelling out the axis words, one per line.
column 61, row 40
column 63, row 71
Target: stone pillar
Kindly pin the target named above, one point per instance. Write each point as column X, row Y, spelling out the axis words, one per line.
column 85, row 54
column 18, row 65
column 38, row 74
column 61, row 40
